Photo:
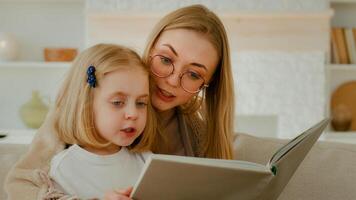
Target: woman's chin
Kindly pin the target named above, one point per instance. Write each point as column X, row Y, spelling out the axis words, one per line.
column 160, row 105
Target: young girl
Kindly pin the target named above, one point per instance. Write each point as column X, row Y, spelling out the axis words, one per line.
column 101, row 112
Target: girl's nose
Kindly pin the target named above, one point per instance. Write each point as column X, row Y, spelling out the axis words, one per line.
column 131, row 112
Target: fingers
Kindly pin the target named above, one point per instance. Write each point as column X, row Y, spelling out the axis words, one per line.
column 119, row 194
column 115, row 196
column 126, row 191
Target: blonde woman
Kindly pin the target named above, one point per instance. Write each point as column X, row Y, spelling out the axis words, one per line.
column 188, row 54
column 192, row 92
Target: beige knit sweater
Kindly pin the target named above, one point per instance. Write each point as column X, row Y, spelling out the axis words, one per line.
column 28, row 179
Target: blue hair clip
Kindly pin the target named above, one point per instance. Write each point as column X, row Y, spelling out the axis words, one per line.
column 91, row 76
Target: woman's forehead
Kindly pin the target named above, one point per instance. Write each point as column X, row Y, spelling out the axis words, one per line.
column 187, row 44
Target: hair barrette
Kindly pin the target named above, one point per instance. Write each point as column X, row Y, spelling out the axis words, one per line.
column 91, row 76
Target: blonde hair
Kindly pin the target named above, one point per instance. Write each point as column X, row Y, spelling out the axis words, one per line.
column 218, row 98
column 74, row 120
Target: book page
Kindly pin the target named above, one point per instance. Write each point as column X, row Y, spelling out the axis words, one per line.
column 294, row 142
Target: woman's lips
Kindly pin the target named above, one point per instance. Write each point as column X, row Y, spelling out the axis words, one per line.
column 164, row 95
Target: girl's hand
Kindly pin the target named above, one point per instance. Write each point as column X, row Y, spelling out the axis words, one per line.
column 118, row 194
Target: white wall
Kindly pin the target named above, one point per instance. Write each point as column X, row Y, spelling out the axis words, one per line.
column 289, row 85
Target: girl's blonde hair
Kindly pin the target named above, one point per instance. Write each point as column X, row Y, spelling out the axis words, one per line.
column 74, row 119
column 218, row 98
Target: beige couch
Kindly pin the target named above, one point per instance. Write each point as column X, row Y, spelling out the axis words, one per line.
column 328, row 172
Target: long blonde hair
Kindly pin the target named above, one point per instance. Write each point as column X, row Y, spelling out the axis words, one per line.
column 218, row 98
column 74, row 119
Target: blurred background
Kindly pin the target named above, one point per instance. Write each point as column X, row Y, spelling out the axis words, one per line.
column 293, row 60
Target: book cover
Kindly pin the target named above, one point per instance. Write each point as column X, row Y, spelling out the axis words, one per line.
column 178, row 177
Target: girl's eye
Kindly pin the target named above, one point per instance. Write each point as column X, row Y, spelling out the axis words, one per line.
column 118, row 103
column 165, row 60
column 141, row 104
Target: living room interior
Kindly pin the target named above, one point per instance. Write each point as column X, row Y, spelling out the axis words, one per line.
column 290, row 69
column 281, row 55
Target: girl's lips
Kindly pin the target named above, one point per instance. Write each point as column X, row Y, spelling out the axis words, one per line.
column 164, row 96
column 129, row 132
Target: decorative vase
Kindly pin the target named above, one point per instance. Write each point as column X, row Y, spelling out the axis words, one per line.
column 8, row 47
column 34, row 111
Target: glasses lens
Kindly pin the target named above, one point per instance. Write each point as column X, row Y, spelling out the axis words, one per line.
column 161, row 66
column 192, row 81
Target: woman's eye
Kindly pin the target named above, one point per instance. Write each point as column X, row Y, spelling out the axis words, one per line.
column 193, row 75
column 165, row 60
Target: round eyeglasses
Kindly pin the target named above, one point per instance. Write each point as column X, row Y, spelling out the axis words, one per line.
column 191, row 81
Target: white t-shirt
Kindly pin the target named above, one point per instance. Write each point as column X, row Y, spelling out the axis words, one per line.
column 88, row 175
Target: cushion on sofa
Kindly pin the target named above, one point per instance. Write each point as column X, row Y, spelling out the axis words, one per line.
column 328, row 171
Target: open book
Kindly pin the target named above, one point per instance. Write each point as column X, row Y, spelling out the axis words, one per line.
column 178, row 177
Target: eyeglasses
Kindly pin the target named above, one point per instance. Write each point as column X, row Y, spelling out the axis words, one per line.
column 191, row 81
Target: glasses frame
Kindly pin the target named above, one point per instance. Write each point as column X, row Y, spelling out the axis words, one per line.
column 204, row 85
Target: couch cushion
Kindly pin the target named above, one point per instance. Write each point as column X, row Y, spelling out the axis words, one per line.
column 9, row 154
column 328, row 171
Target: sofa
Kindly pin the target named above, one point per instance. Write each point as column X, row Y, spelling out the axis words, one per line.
column 328, row 172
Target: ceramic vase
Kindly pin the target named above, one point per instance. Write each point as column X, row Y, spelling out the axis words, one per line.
column 34, row 112
column 341, row 118
column 8, row 47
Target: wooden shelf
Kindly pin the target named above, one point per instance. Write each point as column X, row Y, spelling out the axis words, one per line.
column 40, row 65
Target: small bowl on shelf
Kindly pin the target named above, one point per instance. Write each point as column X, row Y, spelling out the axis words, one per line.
column 60, row 54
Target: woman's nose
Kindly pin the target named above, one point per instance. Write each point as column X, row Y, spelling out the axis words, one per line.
column 174, row 78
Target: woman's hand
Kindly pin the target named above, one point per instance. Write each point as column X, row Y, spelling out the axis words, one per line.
column 118, row 194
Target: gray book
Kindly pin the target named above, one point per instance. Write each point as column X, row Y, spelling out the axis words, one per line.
column 179, row 177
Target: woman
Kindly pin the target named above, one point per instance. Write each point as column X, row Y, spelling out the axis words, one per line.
column 188, row 53
column 192, row 92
